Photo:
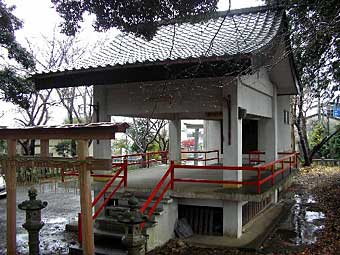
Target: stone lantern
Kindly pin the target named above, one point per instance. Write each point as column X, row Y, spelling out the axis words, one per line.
column 33, row 222
column 134, row 239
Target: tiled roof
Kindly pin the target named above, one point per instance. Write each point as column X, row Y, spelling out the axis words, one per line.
column 228, row 33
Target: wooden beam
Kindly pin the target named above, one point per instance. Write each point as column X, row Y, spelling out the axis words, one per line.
column 11, row 198
column 52, row 162
column 85, row 200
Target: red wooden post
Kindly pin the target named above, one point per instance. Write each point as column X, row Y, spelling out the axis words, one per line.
column 290, row 164
column 10, row 173
column 273, row 177
column 172, row 174
column 258, row 180
column 62, row 174
column 125, row 165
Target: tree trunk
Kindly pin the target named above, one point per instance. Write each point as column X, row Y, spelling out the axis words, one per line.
column 301, row 128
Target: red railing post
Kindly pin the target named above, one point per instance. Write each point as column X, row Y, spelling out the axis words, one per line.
column 172, row 175
column 273, row 177
column 125, row 172
column 282, row 167
column 80, row 230
column 290, row 164
column 258, row 180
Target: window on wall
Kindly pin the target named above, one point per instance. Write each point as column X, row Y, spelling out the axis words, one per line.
column 285, row 117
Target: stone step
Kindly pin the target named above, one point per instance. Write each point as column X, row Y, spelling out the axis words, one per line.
column 112, row 237
column 109, row 224
column 141, row 196
column 115, row 211
column 77, row 250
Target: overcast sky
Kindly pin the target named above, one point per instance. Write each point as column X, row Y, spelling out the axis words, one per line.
column 40, row 19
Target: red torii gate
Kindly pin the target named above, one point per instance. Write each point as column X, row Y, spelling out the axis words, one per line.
column 80, row 132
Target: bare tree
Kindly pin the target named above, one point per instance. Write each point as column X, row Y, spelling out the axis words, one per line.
column 162, row 139
column 144, row 131
column 36, row 114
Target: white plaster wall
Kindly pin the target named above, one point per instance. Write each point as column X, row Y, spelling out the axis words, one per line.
column 283, row 136
column 255, row 94
column 267, row 133
column 258, row 81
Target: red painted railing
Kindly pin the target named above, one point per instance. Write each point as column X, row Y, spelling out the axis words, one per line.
column 166, row 184
column 205, row 159
column 279, row 166
column 254, row 157
column 143, row 159
column 121, row 174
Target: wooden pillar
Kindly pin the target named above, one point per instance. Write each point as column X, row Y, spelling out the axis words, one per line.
column 85, row 200
column 11, row 198
column 44, row 147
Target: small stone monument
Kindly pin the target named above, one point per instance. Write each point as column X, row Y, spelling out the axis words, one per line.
column 33, row 222
column 134, row 239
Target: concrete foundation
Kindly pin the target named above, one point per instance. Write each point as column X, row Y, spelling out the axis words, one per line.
column 164, row 229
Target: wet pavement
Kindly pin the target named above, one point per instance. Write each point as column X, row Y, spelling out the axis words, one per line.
column 63, row 207
column 299, row 228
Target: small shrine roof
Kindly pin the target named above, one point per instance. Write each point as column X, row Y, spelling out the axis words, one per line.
column 100, row 131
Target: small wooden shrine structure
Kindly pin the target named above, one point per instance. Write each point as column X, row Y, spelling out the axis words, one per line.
column 81, row 133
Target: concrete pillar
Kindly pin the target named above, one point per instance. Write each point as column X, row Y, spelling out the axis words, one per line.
column 101, row 148
column 275, row 196
column 232, row 151
column 232, row 218
column 196, row 135
column 232, row 134
column 175, row 140
column 267, row 132
column 212, row 136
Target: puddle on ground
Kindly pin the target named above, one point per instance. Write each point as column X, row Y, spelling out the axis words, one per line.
column 305, row 220
column 300, row 228
column 57, row 220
